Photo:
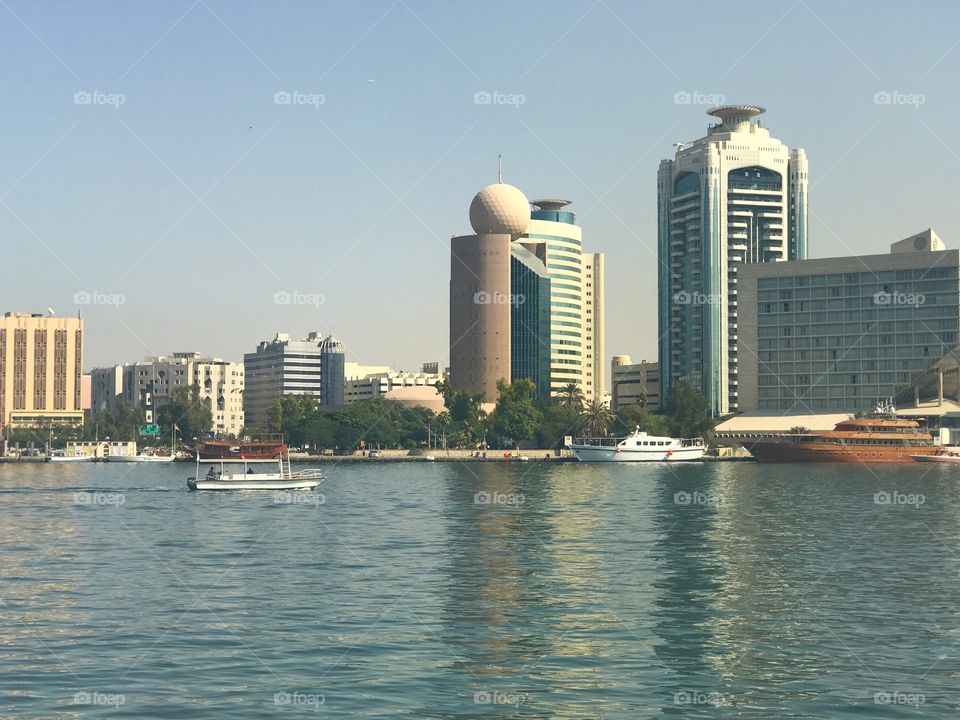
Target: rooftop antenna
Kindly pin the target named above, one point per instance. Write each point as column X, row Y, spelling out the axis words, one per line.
column 499, row 168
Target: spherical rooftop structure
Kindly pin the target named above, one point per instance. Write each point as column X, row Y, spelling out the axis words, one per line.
column 500, row 209
column 331, row 345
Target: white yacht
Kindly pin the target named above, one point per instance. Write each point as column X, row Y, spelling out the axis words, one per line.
column 254, row 474
column 638, row 447
column 141, row 458
column 61, row 456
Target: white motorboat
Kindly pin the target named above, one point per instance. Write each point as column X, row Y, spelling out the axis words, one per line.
column 638, row 447
column 141, row 458
column 59, row 456
column 259, row 474
column 951, row 455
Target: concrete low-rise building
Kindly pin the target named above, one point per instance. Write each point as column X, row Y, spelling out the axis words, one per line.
column 634, row 383
column 148, row 385
column 844, row 334
column 380, row 384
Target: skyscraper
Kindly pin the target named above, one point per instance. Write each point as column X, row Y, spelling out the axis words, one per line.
column 576, row 317
column 514, row 245
column 529, row 319
column 735, row 196
column 332, row 372
column 480, row 290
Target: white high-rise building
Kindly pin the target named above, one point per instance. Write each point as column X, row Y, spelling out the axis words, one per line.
column 576, row 299
column 735, row 196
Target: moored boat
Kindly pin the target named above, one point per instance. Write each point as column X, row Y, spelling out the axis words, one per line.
column 638, row 447
column 946, row 455
column 141, row 458
column 864, row 440
column 253, row 474
column 58, row 456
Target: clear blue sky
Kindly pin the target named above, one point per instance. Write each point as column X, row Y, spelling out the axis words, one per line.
column 199, row 197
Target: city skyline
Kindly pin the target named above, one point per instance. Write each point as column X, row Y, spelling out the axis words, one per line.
column 202, row 181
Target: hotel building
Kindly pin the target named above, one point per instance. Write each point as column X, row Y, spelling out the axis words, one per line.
column 845, row 333
column 41, row 366
column 492, row 335
column 733, row 198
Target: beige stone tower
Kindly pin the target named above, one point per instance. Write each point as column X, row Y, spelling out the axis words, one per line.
column 480, row 290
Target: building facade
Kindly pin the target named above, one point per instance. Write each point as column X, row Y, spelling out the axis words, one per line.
column 378, row 384
column 150, row 384
column 529, row 319
column 41, row 369
column 332, row 370
column 634, row 383
column 843, row 334
column 730, row 199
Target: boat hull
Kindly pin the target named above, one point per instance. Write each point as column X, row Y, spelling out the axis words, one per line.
column 70, row 458
column 139, row 458
column 592, row 453
column 937, row 458
column 831, row 452
column 258, row 484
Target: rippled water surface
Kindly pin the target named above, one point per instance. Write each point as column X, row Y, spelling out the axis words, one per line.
column 484, row 590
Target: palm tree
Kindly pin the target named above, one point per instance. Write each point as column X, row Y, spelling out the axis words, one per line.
column 596, row 418
column 572, row 396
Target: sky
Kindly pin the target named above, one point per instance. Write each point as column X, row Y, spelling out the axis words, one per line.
column 201, row 175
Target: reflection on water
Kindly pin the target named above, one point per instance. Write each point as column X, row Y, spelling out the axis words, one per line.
column 485, row 590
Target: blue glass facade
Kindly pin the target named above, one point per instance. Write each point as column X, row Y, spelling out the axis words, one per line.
column 529, row 319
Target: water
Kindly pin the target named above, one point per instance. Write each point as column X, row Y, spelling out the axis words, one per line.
column 567, row 591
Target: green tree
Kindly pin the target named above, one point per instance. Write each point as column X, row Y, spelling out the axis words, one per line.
column 596, row 418
column 187, row 410
column 558, row 421
column 630, row 417
column 687, row 411
column 572, row 396
column 515, row 416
